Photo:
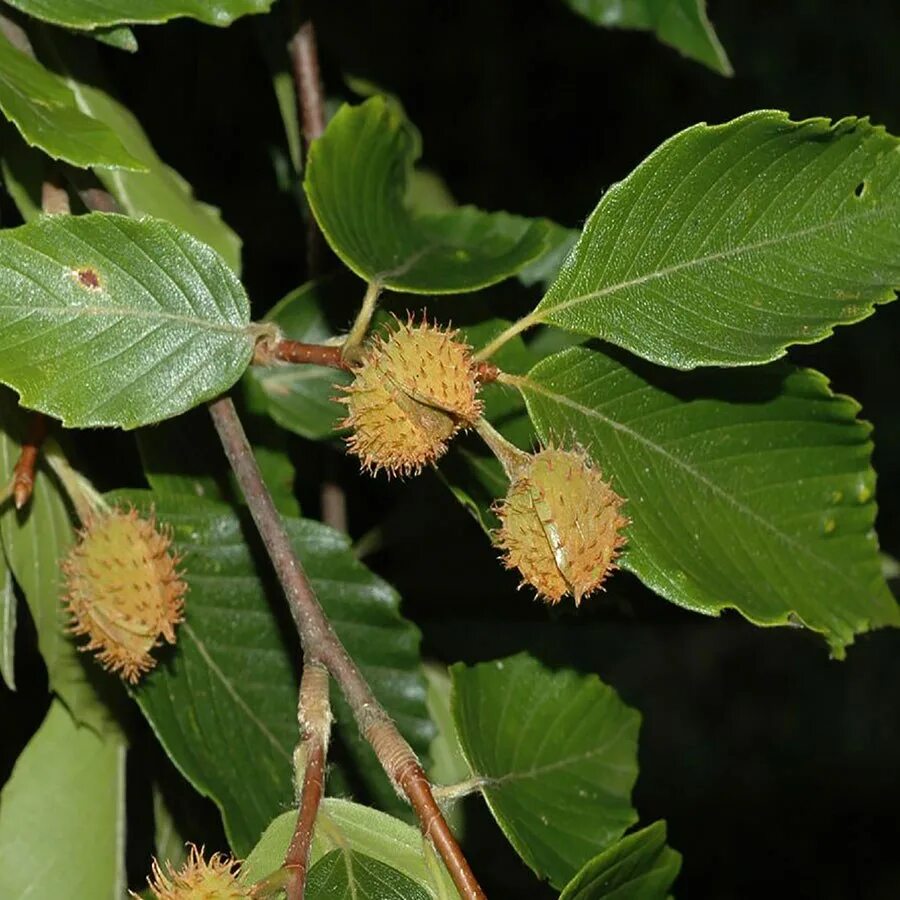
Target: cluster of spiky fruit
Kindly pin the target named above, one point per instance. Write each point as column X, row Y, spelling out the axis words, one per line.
column 561, row 525
column 412, row 392
column 198, row 879
column 123, row 590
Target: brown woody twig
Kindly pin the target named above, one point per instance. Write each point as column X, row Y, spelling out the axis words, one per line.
column 311, row 107
column 269, row 352
column 314, row 715
column 322, row 644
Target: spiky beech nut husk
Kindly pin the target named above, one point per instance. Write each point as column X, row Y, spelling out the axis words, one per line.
column 123, row 590
column 561, row 525
column 198, row 879
column 412, row 392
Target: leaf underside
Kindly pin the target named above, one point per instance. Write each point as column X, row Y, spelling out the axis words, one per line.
column 91, row 14
column 350, row 827
column 356, row 182
column 682, row 24
column 44, row 110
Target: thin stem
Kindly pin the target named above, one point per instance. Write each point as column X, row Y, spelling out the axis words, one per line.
column 511, row 457
column 363, row 318
column 311, row 106
column 450, row 793
column 314, row 717
column 285, row 350
column 516, row 328
column 319, row 640
column 307, row 82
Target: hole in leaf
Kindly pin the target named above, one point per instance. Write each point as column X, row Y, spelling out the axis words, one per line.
column 860, row 189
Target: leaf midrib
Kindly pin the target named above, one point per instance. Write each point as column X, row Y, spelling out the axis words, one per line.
column 119, row 312
column 542, row 312
column 712, row 486
column 492, row 781
column 233, row 692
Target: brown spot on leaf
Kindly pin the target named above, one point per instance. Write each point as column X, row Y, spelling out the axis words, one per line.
column 88, row 278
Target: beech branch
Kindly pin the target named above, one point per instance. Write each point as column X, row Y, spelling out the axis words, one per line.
column 320, row 643
column 285, row 350
column 311, row 108
column 314, row 717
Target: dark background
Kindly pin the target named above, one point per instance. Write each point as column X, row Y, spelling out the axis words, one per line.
column 774, row 766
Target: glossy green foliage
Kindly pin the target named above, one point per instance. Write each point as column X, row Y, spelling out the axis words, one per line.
column 300, row 398
column 119, row 36
column 353, row 828
column 357, row 178
column 158, row 190
column 752, row 491
column 151, row 320
column 223, row 702
column 731, row 242
column 557, row 753
column 639, row 867
column 46, row 113
column 62, row 815
column 93, row 14
column 682, row 24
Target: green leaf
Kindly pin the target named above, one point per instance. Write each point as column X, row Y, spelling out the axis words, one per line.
column 354, row 876
column 168, row 842
column 351, row 827
column 546, row 267
column 150, row 320
column 94, row 14
column 300, row 398
column 558, row 755
column 731, row 242
column 34, row 540
column 448, row 764
column 639, row 867
column 356, row 181
column 752, row 491
column 120, row 37
column 8, row 603
column 62, row 815
column 40, row 105
column 158, row 191
column 682, row 24
column 223, row 702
